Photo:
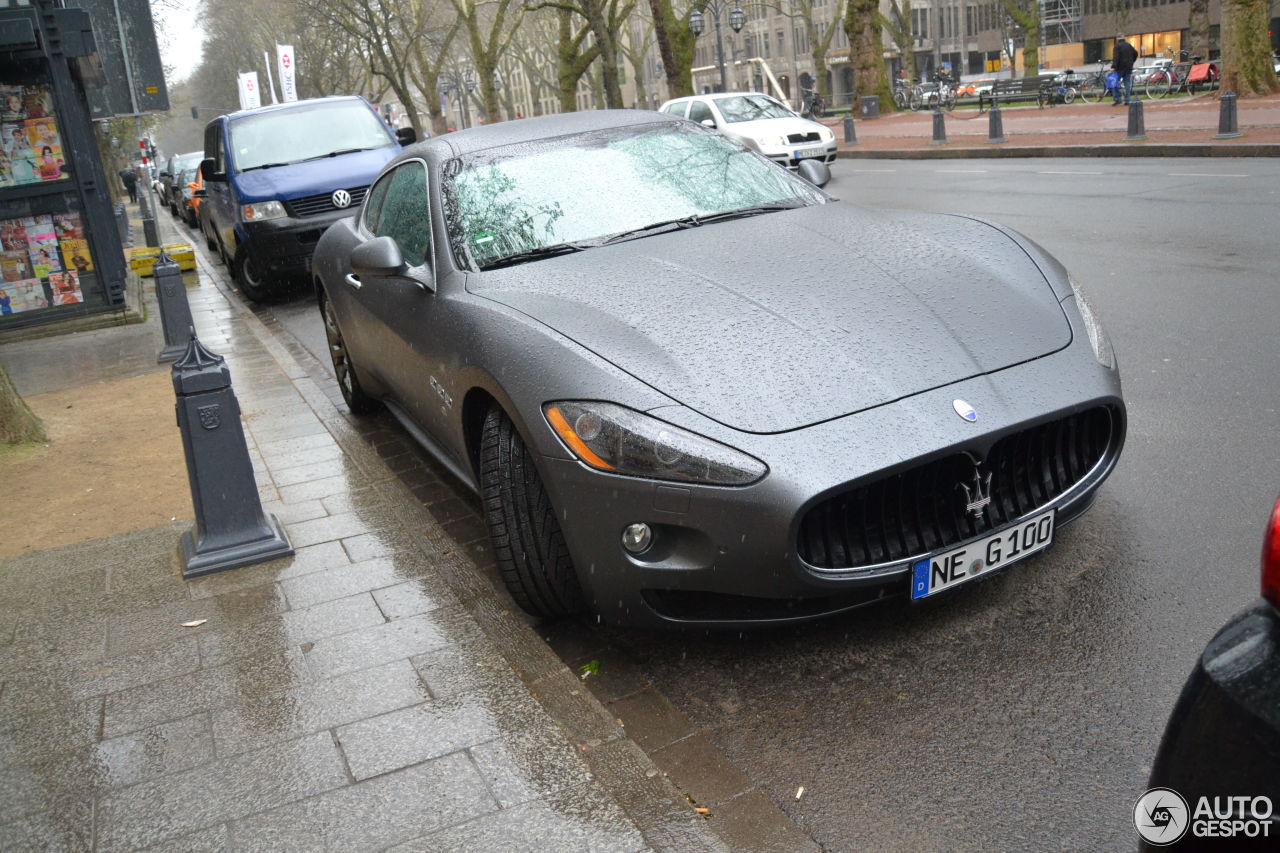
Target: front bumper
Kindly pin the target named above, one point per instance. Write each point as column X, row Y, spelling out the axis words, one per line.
column 727, row 557
column 282, row 248
column 789, row 159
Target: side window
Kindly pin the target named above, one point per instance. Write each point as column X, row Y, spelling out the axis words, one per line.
column 373, row 204
column 677, row 109
column 213, row 145
column 405, row 215
column 700, row 111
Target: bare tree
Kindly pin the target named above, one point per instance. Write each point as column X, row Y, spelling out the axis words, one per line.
column 675, row 46
column 898, row 23
column 1026, row 14
column 819, row 35
column 604, row 18
column 573, row 59
column 635, row 47
column 1246, row 48
column 1198, row 28
column 489, row 26
column 426, row 67
column 534, row 50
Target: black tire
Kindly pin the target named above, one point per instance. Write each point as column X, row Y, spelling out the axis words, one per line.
column 251, row 282
column 1089, row 93
column 527, row 541
column 356, row 399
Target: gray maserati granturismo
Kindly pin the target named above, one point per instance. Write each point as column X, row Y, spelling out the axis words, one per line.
column 691, row 388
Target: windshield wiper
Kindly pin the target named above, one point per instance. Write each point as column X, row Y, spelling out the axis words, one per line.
column 536, row 254
column 335, row 154
column 695, row 220
column 266, row 166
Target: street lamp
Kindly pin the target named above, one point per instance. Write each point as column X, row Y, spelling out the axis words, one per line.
column 698, row 25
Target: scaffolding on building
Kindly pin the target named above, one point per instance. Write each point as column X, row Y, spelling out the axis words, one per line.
column 1059, row 21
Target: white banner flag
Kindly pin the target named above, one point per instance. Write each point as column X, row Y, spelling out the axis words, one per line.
column 250, row 97
column 271, row 86
column 285, row 63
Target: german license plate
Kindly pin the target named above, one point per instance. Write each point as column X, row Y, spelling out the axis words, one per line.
column 814, row 151
column 943, row 571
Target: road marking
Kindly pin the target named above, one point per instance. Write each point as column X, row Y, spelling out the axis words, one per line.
column 1203, row 175
column 1068, row 173
column 961, row 171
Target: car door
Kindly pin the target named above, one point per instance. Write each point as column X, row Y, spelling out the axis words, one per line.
column 402, row 312
column 219, row 199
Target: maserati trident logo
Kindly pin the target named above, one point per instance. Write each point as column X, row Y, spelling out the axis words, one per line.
column 341, row 199
column 977, row 497
column 964, row 410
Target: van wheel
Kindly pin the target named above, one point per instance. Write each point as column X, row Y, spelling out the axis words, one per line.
column 249, row 278
column 527, row 541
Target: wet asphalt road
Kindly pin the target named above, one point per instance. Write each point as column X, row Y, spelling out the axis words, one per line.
column 1022, row 712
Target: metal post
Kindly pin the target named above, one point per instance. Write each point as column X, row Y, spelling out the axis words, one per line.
column 850, row 135
column 175, row 312
column 724, row 87
column 939, row 128
column 995, row 124
column 1137, row 124
column 1228, row 125
column 230, row 529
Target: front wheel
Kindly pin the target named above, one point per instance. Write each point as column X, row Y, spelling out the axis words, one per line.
column 356, row 399
column 1159, row 84
column 949, row 100
column 1069, row 95
column 916, row 100
column 251, row 280
column 1090, row 94
column 527, row 541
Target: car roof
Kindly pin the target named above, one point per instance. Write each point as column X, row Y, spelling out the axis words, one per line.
column 718, row 95
column 533, row 129
column 289, row 105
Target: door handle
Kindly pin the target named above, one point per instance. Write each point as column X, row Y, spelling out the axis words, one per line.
column 353, row 281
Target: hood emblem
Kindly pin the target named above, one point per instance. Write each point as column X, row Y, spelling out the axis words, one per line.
column 964, row 410
column 977, row 497
column 341, row 199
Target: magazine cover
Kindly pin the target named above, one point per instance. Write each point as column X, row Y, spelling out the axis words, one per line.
column 11, row 98
column 19, row 296
column 65, row 287
column 16, row 142
column 42, row 245
column 13, row 235
column 75, row 255
column 15, row 266
column 42, row 133
column 36, row 101
column 67, row 226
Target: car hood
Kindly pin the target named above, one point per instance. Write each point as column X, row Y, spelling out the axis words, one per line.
column 787, row 319
column 767, row 127
column 313, row 176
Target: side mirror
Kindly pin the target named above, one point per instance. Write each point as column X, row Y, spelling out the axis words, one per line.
column 814, row 172
column 406, row 135
column 379, row 257
column 708, row 122
column 208, row 170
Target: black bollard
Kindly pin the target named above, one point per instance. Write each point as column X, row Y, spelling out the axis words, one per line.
column 939, row 128
column 149, row 232
column 995, row 125
column 231, row 529
column 1228, row 124
column 1137, row 124
column 122, row 222
column 850, row 135
column 175, row 312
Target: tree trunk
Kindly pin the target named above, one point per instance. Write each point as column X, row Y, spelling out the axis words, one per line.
column 18, row 424
column 609, row 63
column 1246, row 48
column 866, row 50
column 675, row 46
column 1198, row 28
column 1026, row 15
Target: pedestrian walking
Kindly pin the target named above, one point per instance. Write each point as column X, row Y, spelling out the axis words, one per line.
column 130, row 180
column 1122, row 60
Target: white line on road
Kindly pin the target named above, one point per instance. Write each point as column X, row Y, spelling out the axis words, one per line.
column 1203, row 175
column 961, row 171
column 1068, row 173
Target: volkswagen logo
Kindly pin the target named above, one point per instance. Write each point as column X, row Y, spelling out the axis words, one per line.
column 341, row 199
column 963, row 409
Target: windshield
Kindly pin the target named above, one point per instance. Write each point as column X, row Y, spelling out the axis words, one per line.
column 187, row 161
column 594, row 186
column 737, row 108
column 281, row 137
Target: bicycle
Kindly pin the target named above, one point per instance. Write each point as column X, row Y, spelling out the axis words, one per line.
column 813, row 104
column 1097, row 85
column 937, row 95
column 1063, row 88
column 901, row 94
column 1178, row 76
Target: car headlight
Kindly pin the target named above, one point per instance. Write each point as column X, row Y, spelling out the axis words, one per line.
column 774, row 141
column 261, row 210
column 1097, row 335
column 622, row 441
column 826, row 134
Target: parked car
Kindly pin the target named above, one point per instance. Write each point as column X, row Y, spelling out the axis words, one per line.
column 190, row 181
column 761, row 122
column 610, row 325
column 974, row 88
column 276, row 176
column 170, row 188
column 1223, row 737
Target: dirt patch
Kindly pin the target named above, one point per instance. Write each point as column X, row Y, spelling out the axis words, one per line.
column 113, row 464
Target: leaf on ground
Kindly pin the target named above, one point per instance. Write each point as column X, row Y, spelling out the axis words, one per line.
column 194, row 623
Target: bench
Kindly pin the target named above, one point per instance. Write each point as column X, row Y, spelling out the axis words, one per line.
column 1013, row 89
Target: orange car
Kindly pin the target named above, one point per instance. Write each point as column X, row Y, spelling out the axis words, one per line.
column 190, row 201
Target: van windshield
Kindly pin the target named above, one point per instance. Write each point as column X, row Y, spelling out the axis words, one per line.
column 309, row 132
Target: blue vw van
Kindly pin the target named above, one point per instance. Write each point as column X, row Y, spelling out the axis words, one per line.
column 276, row 177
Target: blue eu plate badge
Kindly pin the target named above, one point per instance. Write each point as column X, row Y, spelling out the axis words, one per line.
column 920, row 579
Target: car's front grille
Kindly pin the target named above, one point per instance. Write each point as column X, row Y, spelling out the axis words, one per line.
column 313, row 205
column 923, row 509
column 804, row 137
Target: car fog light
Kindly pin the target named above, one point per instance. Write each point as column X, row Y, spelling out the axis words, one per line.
column 637, row 538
